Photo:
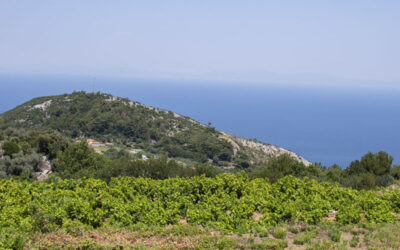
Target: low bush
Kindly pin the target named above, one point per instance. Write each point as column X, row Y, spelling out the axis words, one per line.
column 279, row 233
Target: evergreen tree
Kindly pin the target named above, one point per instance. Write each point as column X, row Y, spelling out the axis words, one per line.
column 10, row 148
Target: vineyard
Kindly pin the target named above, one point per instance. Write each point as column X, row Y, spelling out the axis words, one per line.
column 228, row 203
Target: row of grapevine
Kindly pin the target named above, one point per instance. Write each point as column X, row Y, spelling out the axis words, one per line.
column 227, row 202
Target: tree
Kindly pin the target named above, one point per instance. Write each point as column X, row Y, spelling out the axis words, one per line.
column 79, row 160
column 51, row 143
column 281, row 166
column 334, row 173
column 10, row 148
column 384, row 180
column 365, row 181
column 377, row 164
column 20, row 165
column 355, row 168
column 395, row 172
column 205, row 169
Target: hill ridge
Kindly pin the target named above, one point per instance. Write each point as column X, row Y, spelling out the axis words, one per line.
column 154, row 130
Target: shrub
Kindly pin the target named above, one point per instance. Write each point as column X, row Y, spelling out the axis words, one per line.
column 261, row 231
column 279, row 233
column 354, row 242
column 335, row 235
column 294, row 229
column 73, row 227
column 304, row 238
column 270, row 244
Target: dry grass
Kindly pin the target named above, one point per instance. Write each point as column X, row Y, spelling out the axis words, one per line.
column 110, row 238
column 189, row 237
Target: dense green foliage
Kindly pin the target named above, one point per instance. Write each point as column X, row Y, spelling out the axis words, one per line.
column 372, row 170
column 21, row 166
column 23, row 151
column 158, row 169
column 284, row 165
column 199, row 145
column 10, row 148
column 79, row 161
column 76, row 160
column 227, row 202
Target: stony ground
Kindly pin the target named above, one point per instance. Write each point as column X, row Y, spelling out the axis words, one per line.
column 326, row 236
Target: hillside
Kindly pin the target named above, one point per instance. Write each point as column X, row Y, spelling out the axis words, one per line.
column 121, row 121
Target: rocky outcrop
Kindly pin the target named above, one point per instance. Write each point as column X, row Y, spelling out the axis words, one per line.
column 44, row 169
column 263, row 149
column 42, row 106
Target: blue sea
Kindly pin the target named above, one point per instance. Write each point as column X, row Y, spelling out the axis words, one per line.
column 323, row 124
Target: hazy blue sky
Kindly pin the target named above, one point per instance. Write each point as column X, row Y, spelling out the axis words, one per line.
column 268, row 41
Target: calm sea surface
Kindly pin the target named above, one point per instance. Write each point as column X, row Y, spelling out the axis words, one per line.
column 328, row 125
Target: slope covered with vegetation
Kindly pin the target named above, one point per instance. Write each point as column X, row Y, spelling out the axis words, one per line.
column 120, row 120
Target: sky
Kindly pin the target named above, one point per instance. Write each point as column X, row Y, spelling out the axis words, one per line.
column 324, row 42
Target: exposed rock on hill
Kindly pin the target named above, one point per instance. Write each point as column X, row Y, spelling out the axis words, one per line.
column 44, row 169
